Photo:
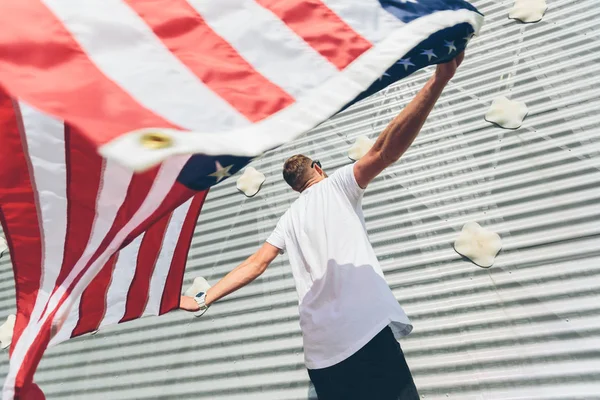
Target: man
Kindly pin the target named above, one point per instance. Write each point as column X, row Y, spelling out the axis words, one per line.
column 350, row 319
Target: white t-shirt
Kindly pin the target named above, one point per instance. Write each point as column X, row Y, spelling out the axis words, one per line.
column 344, row 298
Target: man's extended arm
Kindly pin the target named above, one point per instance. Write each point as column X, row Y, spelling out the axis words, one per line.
column 397, row 137
column 239, row 277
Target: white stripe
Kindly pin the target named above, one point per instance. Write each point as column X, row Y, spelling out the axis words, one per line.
column 112, row 193
column 366, row 17
column 125, row 48
column 67, row 328
column 45, row 140
column 267, row 43
column 162, row 184
column 46, row 146
column 165, row 257
column 116, row 297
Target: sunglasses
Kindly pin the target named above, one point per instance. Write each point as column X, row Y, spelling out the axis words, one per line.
column 317, row 163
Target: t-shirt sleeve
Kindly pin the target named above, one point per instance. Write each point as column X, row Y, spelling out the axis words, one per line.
column 277, row 237
column 346, row 181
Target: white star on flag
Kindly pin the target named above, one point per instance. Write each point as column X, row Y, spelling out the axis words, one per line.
column 221, row 172
column 408, row 1
column 406, row 62
column 384, row 74
column 429, row 53
column 468, row 37
column 450, row 45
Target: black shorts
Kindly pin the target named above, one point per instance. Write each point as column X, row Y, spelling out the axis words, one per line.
column 378, row 371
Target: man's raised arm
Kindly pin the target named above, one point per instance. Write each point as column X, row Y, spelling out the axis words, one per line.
column 397, row 137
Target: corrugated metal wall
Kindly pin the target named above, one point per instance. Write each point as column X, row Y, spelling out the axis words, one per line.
column 528, row 328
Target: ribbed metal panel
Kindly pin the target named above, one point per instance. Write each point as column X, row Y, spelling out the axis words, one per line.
column 528, row 328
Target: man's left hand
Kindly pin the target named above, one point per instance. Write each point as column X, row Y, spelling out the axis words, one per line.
column 447, row 70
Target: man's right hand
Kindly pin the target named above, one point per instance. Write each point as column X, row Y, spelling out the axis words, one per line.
column 447, row 70
column 188, row 303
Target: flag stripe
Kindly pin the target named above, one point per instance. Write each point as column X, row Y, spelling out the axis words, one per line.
column 273, row 49
column 188, row 30
column 321, row 28
column 175, row 93
column 85, row 96
column 172, row 290
column 116, row 297
column 19, row 214
column 137, row 297
column 366, row 17
column 165, row 258
column 92, row 304
column 84, row 175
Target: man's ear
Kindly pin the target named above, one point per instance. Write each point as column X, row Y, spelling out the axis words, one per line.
column 319, row 170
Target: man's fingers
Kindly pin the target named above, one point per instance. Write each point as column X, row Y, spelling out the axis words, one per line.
column 188, row 304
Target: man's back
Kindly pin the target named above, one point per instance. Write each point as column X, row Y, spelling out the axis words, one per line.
column 344, row 299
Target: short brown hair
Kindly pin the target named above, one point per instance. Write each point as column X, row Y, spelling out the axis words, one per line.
column 296, row 171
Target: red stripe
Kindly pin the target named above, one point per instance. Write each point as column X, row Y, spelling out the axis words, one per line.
column 33, row 392
column 25, row 389
column 19, row 214
column 137, row 298
column 321, row 28
column 84, row 175
column 92, row 306
column 212, row 60
column 172, row 290
column 85, row 96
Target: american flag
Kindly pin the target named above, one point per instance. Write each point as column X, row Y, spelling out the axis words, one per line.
column 146, row 84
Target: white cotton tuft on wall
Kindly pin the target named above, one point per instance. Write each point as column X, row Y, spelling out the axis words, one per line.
column 361, row 146
column 528, row 10
column 6, row 331
column 507, row 113
column 478, row 244
column 250, row 182
column 199, row 285
column 3, row 246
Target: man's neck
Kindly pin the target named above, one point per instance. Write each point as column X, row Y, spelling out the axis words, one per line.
column 311, row 182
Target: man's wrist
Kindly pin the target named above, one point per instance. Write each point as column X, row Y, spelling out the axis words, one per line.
column 438, row 79
column 208, row 300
